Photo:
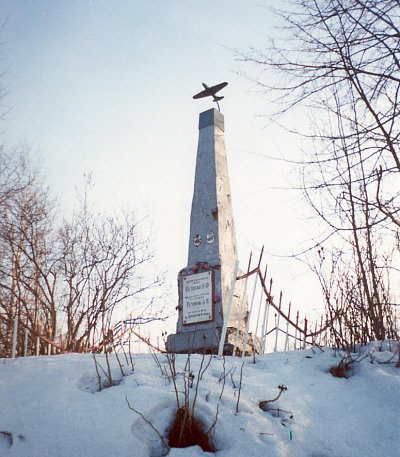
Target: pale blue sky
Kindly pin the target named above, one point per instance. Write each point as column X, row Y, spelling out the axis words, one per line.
column 106, row 87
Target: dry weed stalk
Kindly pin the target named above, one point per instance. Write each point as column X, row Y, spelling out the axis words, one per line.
column 187, row 430
column 165, row 444
column 240, row 388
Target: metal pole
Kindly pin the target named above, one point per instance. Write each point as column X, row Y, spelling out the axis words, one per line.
column 266, row 316
column 265, row 325
column 258, row 318
column 240, row 315
column 241, row 308
column 228, row 311
column 259, row 309
column 287, row 330
column 246, row 335
column 295, row 332
column 277, row 323
column 305, row 333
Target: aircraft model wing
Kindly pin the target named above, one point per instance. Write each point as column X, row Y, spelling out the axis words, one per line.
column 218, row 87
column 210, row 91
column 202, row 94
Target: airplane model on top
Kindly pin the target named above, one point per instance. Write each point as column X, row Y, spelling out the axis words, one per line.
column 211, row 92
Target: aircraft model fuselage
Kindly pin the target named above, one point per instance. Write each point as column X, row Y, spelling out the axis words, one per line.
column 211, row 92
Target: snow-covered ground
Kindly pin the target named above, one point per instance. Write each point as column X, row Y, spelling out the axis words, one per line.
column 49, row 406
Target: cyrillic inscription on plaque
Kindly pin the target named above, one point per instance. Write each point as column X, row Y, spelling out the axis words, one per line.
column 197, row 298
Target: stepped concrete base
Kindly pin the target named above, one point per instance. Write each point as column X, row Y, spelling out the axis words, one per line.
column 208, row 341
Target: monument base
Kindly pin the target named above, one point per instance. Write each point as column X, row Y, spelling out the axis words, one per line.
column 194, row 341
column 207, row 341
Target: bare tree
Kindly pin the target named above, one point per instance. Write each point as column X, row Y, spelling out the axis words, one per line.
column 63, row 284
column 26, row 281
column 338, row 60
column 102, row 266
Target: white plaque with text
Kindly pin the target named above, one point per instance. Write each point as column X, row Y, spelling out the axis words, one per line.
column 197, row 298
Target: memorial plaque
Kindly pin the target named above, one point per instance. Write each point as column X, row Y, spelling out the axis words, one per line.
column 197, row 298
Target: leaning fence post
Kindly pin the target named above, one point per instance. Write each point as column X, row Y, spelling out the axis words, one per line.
column 241, row 307
column 246, row 335
column 265, row 326
column 295, row 332
column 259, row 308
column 287, row 329
column 305, row 333
column 266, row 315
column 228, row 311
column 277, row 323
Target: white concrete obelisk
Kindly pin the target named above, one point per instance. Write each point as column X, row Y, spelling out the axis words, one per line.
column 211, row 219
column 204, row 284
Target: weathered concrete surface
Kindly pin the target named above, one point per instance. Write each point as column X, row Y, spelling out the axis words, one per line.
column 212, row 240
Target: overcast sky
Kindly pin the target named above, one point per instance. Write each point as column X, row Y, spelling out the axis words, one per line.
column 106, row 87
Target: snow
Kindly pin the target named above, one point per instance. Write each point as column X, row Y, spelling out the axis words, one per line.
column 50, row 406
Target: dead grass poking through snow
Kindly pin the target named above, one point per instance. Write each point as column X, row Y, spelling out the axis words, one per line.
column 187, row 431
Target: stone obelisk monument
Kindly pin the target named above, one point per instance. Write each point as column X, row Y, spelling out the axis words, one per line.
column 205, row 282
